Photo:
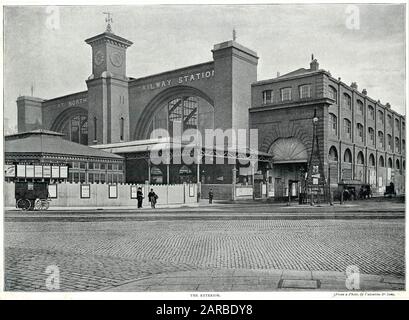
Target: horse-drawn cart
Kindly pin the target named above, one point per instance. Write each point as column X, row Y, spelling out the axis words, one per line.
column 32, row 195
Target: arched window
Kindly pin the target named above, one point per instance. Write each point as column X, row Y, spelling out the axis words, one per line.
column 371, row 160
column 397, row 145
column 389, row 142
column 360, row 108
column 403, row 164
column 333, row 154
column 397, row 126
column 371, row 113
column 397, row 164
column 347, row 156
column 390, row 121
column 381, row 139
column 347, row 128
column 380, row 117
column 347, row 101
column 76, row 129
column 371, row 134
column 360, row 131
column 381, row 162
column 332, row 123
column 390, row 163
column 360, row 158
column 333, row 93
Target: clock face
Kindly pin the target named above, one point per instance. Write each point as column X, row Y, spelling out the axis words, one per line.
column 116, row 59
column 99, row 57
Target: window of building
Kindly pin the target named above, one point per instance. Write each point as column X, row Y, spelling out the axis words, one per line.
column 305, row 91
column 83, row 165
column 285, row 94
column 76, row 129
column 380, row 117
column 347, row 101
column 333, row 93
column 333, row 154
column 397, row 145
column 360, row 130
column 390, row 163
column 121, row 129
column 390, row 121
column 109, row 166
column 389, row 142
column 397, row 164
column 347, row 128
column 75, row 165
column 82, row 176
column 347, row 156
column 90, row 177
column 76, row 176
column 333, row 123
column 95, row 128
column 381, row 161
column 91, row 165
column 360, row 108
column 397, row 126
column 360, row 158
column 371, row 160
column 103, row 166
column 371, row 113
column 267, row 96
column 381, row 139
column 371, row 134
column 120, row 167
column 403, row 146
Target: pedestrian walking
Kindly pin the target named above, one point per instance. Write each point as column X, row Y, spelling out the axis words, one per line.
column 139, row 196
column 211, row 196
column 153, row 197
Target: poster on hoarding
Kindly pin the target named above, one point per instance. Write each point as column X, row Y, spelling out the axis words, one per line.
column 9, row 170
column 38, row 171
column 30, row 171
column 85, row 191
column 113, row 191
column 21, row 170
column 46, row 171
column 52, row 191
column 64, row 172
column 134, row 190
column 55, row 171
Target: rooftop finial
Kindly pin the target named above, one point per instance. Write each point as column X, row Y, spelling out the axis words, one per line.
column 312, row 57
column 108, row 20
column 234, row 34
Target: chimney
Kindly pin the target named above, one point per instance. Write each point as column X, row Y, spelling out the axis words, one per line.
column 354, row 85
column 364, row 92
column 388, row 105
column 278, row 74
column 314, row 65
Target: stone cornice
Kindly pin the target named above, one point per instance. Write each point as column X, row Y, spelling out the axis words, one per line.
column 110, row 38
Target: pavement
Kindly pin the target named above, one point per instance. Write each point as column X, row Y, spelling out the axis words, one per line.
column 222, row 280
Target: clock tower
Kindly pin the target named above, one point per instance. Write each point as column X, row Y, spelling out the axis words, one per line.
column 108, row 54
column 108, row 95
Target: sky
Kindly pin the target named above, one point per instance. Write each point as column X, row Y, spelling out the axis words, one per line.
column 363, row 43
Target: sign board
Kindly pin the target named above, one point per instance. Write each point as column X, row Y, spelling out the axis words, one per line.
column 134, row 190
column 55, row 171
column 38, row 171
column 46, row 171
column 9, row 170
column 64, row 172
column 246, row 191
column 85, row 190
column 21, row 170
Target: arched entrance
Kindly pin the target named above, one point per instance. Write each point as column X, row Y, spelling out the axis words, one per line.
column 290, row 159
column 73, row 123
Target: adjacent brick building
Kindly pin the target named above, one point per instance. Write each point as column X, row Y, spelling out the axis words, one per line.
column 360, row 139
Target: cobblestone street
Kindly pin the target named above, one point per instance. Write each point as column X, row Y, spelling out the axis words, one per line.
column 98, row 255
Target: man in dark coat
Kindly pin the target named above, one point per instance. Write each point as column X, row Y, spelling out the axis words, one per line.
column 211, row 195
column 139, row 196
column 152, row 198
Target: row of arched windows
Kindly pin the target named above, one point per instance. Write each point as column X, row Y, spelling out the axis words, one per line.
column 333, row 156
